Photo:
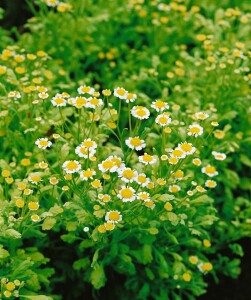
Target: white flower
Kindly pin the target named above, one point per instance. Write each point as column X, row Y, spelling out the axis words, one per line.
column 85, row 152
column 43, row 143
column 58, row 101
column 135, row 143
column 87, row 174
column 142, row 180
column 209, row 171
column 127, row 174
column 94, row 102
column 130, row 97
column 120, row 93
column 88, row 143
column 86, row 229
column 85, row 90
column 71, row 166
column 188, row 148
column 78, row 102
column 201, row 115
column 113, row 216
column 143, row 196
column 219, row 156
column 163, row 119
column 178, row 153
column 174, row 188
column 126, row 194
column 195, row 130
column 140, row 112
column 147, row 159
column 159, row 105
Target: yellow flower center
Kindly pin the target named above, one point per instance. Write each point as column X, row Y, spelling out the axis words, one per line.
column 141, row 179
column 186, row 147
column 108, row 164
column 59, row 100
column 43, row 143
column 126, row 193
column 129, row 174
column 194, row 130
column 147, row 158
column 72, row 165
column 114, row 216
column 121, row 92
column 177, row 153
column 135, row 142
column 159, row 104
column 210, row 169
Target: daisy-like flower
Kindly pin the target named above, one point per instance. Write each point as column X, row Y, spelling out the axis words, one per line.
column 53, row 180
column 140, row 112
column 94, row 102
column 43, row 165
column 78, row 102
column 174, row 188
column 205, row 267
column 188, row 148
column 210, row 184
column 126, row 194
column 71, row 166
column 85, row 90
column 163, row 6
column 14, row 94
column 168, row 206
column 178, row 153
column 28, row 192
column 196, row 161
column 43, row 95
column 43, row 143
column 135, row 143
column 195, row 130
column 33, row 205
column 130, row 97
column 106, row 93
column 35, row 218
column 143, row 196
column 161, row 181
column 149, row 204
column 120, row 93
column 219, row 156
column 87, row 174
column 58, row 101
column 105, row 197
column 85, row 152
column 173, row 160
column 88, row 143
column 34, row 179
column 209, row 171
column 200, row 189
column 147, row 159
column 179, row 174
column 159, row 105
column 113, row 216
column 96, row 184
column 163, row 119
column 127, row 174
column 142, row 180
column 108, row 165
column 201, row 115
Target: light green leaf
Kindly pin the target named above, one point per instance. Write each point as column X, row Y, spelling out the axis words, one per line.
column 98, row 277
column 48, row 223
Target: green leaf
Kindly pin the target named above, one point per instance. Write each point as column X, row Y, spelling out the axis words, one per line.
column 38, row 297
column 245, row 160
column 86, row 244
column 71, row 226
column 48, row 223
column 173, row 218
column 98, row 277
column 12, row 233
column 3, row 253
column 82, row 264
